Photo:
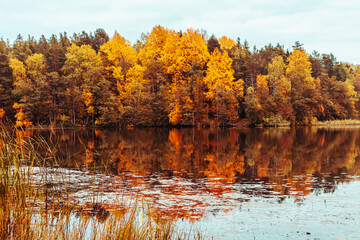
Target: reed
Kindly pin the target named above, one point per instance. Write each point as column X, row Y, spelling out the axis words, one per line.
column 30, row 210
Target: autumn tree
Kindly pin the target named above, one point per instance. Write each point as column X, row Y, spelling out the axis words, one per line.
column 40, row 101
column 184, row 59
column 226, row 43
column 316, row 64
column 338, row 99
column 252, row 107
column 100, row 38
column 222, row 91
column 83, row 73
column 5, row 79
column 168, row 77
column 58, row 48
column 151, row 52
column 138, row 99
column 22, row 86
column 262, row 94
column 303, row 90
column 280, row 89
column 155, row 74
column 20, row 116
column 242, row 64
column 117, row 57
column 20, row 49
column 154, row 44
column 212, row 44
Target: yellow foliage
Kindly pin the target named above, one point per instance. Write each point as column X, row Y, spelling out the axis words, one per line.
column 88, row 98
column 219, row 75
column 119, row 56
column 226, row 43
column 97, row 121
column 88, row 101
column 90, row 110
column 258, row 106
column 181, row 52
column 262, row 88
column 321, row 108
column 154, row 44
column 175, row 114
column 18, row 71
column 16, row 106
column 261, row 82
column 276, row 76
column 134, row 76
column 21, row 120
column 299, row 69
column 350, row 88
column 64, row 118
column 2, row 113
column 222, row 89
column 239, row 88
column 35, row 66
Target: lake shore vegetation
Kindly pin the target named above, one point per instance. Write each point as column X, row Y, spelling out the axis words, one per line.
column 170, row 78
column 35, row 206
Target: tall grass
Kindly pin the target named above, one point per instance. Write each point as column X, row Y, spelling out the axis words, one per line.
column 30, row 210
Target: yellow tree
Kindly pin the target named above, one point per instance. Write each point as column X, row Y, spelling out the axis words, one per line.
column 35, row 65
column 226, row 43
column 19, row 72
column 118, row 56
column 184, row 57
column 222, row 91
column 252, row 107
column 155, row 73
column 21, row 119
column 39, row 97
column 89, row 101
column 26, row 78
column 137, row 98
column 262, row 94
column 303, row 91
column 276, row 72
column 280, row 88
column 154, row 45
column 83, row 73
column 262, row 88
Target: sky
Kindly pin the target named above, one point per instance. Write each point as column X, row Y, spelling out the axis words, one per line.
column 327, row 26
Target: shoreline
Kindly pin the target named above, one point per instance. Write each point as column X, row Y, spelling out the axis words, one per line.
column 325, row 124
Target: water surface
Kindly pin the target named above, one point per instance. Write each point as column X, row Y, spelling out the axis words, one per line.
column 229, row 183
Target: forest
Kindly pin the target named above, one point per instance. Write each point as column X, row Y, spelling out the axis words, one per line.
column 170, row 78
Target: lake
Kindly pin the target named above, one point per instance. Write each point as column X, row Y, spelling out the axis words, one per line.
column 291, row 183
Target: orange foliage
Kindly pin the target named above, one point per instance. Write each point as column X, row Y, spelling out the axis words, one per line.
column 21, row 120
column 226, row 43
column 2, row 113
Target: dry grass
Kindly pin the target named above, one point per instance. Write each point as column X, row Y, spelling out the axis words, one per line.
column 339, row 123
column 30, row 211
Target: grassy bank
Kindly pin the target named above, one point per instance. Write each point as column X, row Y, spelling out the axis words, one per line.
column 338, row 123
column 32, row 208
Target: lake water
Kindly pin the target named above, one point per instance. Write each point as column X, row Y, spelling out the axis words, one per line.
column 228, row 183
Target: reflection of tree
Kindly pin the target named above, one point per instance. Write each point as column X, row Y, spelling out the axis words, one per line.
column 196, row 164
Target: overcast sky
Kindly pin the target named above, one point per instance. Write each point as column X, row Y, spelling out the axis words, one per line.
column 325, row 26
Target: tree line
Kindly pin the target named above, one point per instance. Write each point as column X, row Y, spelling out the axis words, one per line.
column 170, row 78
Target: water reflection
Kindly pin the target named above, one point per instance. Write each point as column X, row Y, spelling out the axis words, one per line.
column 185, row 173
